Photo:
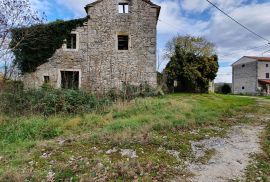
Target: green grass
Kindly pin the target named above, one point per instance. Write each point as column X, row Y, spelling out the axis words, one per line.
column 260, row 169
column 144, row 125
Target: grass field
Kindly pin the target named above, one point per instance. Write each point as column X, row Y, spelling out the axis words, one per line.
column 89, row 146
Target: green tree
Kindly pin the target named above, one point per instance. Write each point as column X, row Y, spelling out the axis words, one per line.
column 193, row 64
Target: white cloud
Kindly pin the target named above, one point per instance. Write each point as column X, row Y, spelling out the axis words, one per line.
column 76, row 6
column 224, row 75
column 172, row 20
column 199, row 6
column 195, row 5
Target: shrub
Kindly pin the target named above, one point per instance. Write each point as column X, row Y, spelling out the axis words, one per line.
column 130, row 92
column 47, row 101
column 226, row 89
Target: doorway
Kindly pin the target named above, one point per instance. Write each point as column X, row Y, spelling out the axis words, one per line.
column 70, row 80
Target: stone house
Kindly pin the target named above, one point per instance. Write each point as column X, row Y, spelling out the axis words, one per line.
column 251, row 75
column 116, row 46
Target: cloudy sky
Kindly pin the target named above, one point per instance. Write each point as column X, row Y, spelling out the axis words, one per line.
column 197, row 18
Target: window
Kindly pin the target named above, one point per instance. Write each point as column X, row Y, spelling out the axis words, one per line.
column 267, row 75
column 122, row 42
column 267, row 65
column 243, row 65
column 46, row 79
column 70, row 79
column 123, row 8
column 72, row 41
column 243, row 88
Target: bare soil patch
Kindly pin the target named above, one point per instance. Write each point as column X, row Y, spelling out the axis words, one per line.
column 232, row 155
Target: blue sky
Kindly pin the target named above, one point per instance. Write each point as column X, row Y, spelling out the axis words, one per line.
column 197, row 18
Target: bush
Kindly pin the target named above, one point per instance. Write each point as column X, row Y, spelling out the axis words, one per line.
column 47, row 101
column 226, row 89
column 130, row 92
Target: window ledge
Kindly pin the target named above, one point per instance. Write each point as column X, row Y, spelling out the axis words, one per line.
column 70, row 50
column 123, row 51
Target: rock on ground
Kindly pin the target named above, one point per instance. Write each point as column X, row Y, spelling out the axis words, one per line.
column 129, row 153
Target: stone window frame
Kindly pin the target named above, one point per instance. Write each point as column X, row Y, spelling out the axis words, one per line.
column 123, row 2
column 59, row 76
column 123, row 5
column 267, row 75
column 77, row 42
column 116, row 40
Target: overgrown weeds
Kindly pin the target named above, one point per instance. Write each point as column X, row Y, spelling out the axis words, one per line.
column 16, row 101
column 49, row 101
column 159, row 130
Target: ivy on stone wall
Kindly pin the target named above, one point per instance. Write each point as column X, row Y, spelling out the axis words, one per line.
column 33, row 46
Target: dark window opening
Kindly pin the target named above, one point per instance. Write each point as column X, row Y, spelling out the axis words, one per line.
column 46, row 79
column 72, row 41
column 122, row 42
column 267, row 65
column 267, row 75
column 243, row 88
column 70, row 80
column 123, row 8
column 243, row 65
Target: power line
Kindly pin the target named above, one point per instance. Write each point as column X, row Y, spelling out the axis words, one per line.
column 251, row 48
column 264, row 45
column 265, row 52
column 248, row 29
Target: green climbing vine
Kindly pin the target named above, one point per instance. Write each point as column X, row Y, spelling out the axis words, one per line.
column 33, row 46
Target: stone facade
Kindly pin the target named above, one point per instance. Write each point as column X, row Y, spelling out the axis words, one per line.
column 250, row 75
column 100, row 64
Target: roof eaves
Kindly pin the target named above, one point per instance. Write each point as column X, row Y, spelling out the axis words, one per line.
column 154, row 6
column 259, row 58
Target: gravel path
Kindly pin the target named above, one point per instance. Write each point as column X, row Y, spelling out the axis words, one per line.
column 232, row 155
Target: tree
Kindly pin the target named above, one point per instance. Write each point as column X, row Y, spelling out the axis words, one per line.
column 14, row 14
column 188, row 44
column 192, row 65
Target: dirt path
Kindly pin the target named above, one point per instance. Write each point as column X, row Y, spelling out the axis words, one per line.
column 231, row 154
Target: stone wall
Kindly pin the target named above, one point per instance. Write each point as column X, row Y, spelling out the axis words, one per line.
column 262, row 69
column 102, row 66
column 245, row 78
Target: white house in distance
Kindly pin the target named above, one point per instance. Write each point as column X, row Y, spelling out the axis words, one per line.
column 251, row 75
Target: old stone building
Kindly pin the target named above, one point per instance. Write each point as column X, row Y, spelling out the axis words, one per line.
column 251, row 75
column 116, row 46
